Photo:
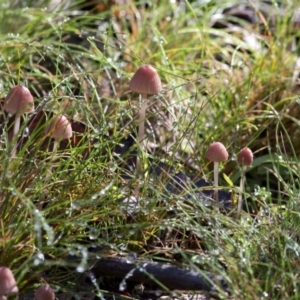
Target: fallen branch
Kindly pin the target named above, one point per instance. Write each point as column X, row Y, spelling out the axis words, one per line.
column 163, row 274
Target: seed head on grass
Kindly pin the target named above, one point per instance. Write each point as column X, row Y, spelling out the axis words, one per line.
column 216, row 152
column 245, row 159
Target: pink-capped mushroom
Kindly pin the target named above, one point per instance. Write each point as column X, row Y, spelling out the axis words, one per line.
column 18, row 101
column 44, row 292
column 145, row 81
column 217, row 153
column 8, row 283
column 59, row 129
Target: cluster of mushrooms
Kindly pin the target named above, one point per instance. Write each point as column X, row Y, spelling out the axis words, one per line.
column 217, row 153
column 19, row 101
column 145, row 81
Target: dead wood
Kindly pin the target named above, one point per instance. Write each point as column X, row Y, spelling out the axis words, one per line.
column 170, row 276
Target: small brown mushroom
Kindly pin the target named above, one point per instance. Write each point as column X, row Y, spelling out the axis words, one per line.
column 18, row 101
column 245, row 159
column 145, row 81
column 59, row 129
column 216, row 152
column 7, row 282
column 44, row 292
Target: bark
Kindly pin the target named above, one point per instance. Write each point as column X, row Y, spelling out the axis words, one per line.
column 161, row 274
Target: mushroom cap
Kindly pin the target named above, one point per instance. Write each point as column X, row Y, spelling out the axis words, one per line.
column 19, row 100
column 245, row 157
column 7, row 282
column 44, row 292
column 145, row 81
column 59, row 128
column 216, row 152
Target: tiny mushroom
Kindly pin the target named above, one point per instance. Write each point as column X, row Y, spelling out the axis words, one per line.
column 245, row 159
column 145, row 81
column 7, row 282
column 18, row 101
column 216, row 152
column 59, row 129
column 44, row 292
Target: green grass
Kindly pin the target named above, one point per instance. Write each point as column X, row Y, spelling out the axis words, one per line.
column 79, row 63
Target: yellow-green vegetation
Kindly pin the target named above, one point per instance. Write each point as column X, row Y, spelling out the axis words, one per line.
column 229, row 73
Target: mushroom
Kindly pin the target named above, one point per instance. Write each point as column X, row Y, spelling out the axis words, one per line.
column 7, row 282
column 59, row 129
column 18, row 101
column 245, row 158
column 145, row 81
column 44, row 292
column 216, row 152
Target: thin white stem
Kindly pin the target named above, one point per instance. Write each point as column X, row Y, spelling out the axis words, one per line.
column 240, row 200
column 141, row 133
column 216, row 180
column 55, row 144
column 16, row 125
column 14, row 137
column 142, row 117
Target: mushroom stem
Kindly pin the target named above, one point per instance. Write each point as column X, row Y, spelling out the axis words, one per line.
column 141, row 130
column 14, row 137
column 55, row 144
column 142, row 117
column 240, row 200
column 216, row 180
column 16, row 125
